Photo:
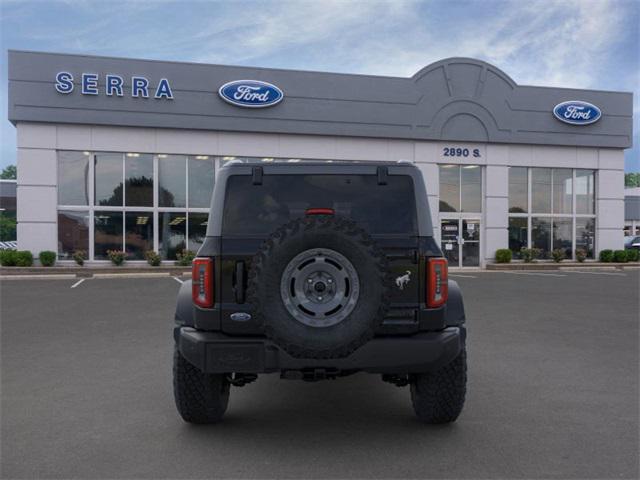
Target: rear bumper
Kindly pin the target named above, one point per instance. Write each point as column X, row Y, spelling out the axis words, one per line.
column 214, row 352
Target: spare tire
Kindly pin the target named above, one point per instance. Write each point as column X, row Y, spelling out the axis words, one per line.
column 319, row 287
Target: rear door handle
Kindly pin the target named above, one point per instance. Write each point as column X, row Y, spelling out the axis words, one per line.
column 240, row 282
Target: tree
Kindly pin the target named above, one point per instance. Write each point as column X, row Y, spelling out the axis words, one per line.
column 9, row 172
column 632, row 179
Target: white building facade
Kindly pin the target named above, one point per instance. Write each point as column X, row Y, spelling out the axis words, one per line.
column 111, row 170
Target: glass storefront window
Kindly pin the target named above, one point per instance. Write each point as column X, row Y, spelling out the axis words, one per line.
column 585, row 192
column 562, row 235
column 585, row 235
column 197, row 230
column 449, row 188
column 471, row 191
column 108, row 179
column 201, row 178
column 138, row 234
column 541, row 190
column 517, row 235
column 138, row 173
column 541, row 235
column 562, row 190
column 73, row 233
column 518, row 190
column 172, row 179
column 172, row 231
column 107, row 233
column 73, row 178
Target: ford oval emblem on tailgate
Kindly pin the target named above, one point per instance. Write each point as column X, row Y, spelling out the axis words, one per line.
column 240, row 317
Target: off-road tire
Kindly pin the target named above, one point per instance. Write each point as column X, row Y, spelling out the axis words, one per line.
column 438, row 397
column 200, row 397
column 323, row 232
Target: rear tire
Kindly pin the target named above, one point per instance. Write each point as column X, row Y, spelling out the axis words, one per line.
column 438, row 397
column 200, row 397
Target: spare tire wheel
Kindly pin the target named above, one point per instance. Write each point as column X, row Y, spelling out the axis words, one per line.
column 318, row 286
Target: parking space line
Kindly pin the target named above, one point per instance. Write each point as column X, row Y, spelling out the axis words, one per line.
column 463, row 276
column 538, row 274
column 78, row 283
column 599, row 273
column 178, row 280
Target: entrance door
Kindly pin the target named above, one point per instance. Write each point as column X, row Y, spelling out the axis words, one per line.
column 461, row 241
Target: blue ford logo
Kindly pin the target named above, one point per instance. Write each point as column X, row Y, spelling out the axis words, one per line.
column 250, row 93
column 576, row 112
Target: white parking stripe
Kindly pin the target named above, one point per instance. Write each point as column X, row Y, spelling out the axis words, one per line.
column 178, row 280
column 598, row 273
column 463, row 276
column 78, row 283
column 538, row 274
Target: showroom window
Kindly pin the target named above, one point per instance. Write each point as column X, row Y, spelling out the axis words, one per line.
column 133, row 202
column 551, row 208
column 460, row 188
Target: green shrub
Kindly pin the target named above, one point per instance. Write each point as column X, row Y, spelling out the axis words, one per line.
column 620, row 256
column 633, row 255
column 606, row 256
column 8, row 258
column 80, row 256
column 503, row 255
column 153, row 258
column 185, row 258
column 581, row 254
column 24, row 258
column 526, row 254
column 47, row 258
column 558, row 255
column 117, row 257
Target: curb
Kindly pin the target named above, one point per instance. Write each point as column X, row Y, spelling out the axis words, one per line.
column 562, row 266
column 86, row 275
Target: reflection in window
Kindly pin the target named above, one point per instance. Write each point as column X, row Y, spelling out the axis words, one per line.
column 585, row 192
column 518, row 190
column 197, row 230
column 172, row 229
column 73, row 233
column 449, row 188
column 107, row 233
column 517, row 235
column 541, row 190
column 138, row 172
column 562, row 235
column 562, row 190
column 73, row 178
column 172, row 180
column 471, row 191
column 201, row 178
column 108, row 179
column 585, row 235
column 138, row 234
column 541, row 235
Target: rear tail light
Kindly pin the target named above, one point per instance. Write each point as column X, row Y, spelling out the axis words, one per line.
column 437, row 282
column 319, row 211
column 202, row 282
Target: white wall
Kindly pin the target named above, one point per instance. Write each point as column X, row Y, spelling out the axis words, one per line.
column 37, row 145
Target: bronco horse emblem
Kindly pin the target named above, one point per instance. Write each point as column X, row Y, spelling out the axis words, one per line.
column 402, row 280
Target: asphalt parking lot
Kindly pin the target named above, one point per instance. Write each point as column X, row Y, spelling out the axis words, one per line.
column 553, row 391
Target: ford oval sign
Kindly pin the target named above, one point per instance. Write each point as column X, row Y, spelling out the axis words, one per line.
column 251, row 93
column 577, row 112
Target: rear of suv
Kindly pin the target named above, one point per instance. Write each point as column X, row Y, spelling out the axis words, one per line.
column 317, row 271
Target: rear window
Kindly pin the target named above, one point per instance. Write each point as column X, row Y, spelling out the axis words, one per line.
column 260, row 209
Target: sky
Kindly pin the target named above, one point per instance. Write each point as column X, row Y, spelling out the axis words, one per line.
column 565, row 43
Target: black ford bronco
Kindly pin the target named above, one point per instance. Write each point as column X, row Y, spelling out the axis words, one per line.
column 318, row 271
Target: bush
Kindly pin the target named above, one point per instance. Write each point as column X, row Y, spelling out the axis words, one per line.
column 153, row 258
column 581, row 254
column 117, row 257
column 503, row 255
column 80, row 256
column 8, row 258
column 633, row 255
column 47, row 258
column 24, row 258
column 530, row 254
column 606, row 256
column 620, row 256
column 558, row 255
column 185, row 258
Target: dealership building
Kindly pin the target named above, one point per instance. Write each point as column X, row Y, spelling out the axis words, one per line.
column 117, row 153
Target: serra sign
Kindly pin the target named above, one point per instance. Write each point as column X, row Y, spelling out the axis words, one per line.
column 113, row 85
